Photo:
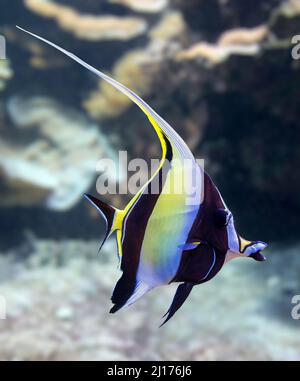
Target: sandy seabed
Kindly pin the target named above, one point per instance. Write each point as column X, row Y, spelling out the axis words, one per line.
column 58, row 298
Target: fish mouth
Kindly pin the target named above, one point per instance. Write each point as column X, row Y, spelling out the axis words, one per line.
column 257, row 248
column 258, row 256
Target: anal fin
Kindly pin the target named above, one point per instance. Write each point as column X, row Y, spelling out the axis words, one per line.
column 180, row 297
column 189, row 245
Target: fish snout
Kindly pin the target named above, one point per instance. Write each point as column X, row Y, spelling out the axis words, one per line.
column 254, row 249
column 258, row 256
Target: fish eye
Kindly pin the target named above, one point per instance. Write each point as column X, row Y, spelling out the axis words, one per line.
column 221, row 217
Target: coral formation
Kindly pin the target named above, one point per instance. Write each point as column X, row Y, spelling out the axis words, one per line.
column 239, row 41
column 136, row 69
column 89, row 27
column 129, row 70
column 215, row 54
column 145, row 6
column 284, row 21
column 199, row 64
column 243, row 36
column 59, row 164
column 41, row 57
column 171, row 26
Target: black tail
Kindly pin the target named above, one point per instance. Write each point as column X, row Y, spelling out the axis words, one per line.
column 107, row 211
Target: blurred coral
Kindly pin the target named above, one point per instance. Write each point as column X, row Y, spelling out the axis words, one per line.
column 243, row 36
column 59, row 165
column 239, row 41
column 129, row 70
column 144, row 6
column 6, row 73
column 41, row 57
column 214, row 53
column 89, row 27
column 171, row 26
column 136, row 69
column 284, row 20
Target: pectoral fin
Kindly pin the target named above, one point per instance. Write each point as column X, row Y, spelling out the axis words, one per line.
column 107, row 211
column 189, row 245
column 180, row 297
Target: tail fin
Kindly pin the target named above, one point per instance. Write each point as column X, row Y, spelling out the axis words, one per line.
column 108, row 212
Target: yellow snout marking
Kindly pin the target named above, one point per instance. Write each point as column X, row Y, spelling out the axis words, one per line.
column 244, row 244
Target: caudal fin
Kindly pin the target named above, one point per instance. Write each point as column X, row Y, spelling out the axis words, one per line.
column 107, row 211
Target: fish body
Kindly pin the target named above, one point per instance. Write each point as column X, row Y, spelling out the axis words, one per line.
column 168, row 235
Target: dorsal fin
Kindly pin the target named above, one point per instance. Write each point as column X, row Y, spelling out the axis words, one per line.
column 164, row 131
column 160, row 125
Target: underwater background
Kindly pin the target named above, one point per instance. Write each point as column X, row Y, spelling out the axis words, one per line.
column 222, row 73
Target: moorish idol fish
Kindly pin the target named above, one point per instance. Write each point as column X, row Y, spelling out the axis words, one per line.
column 167, row 236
